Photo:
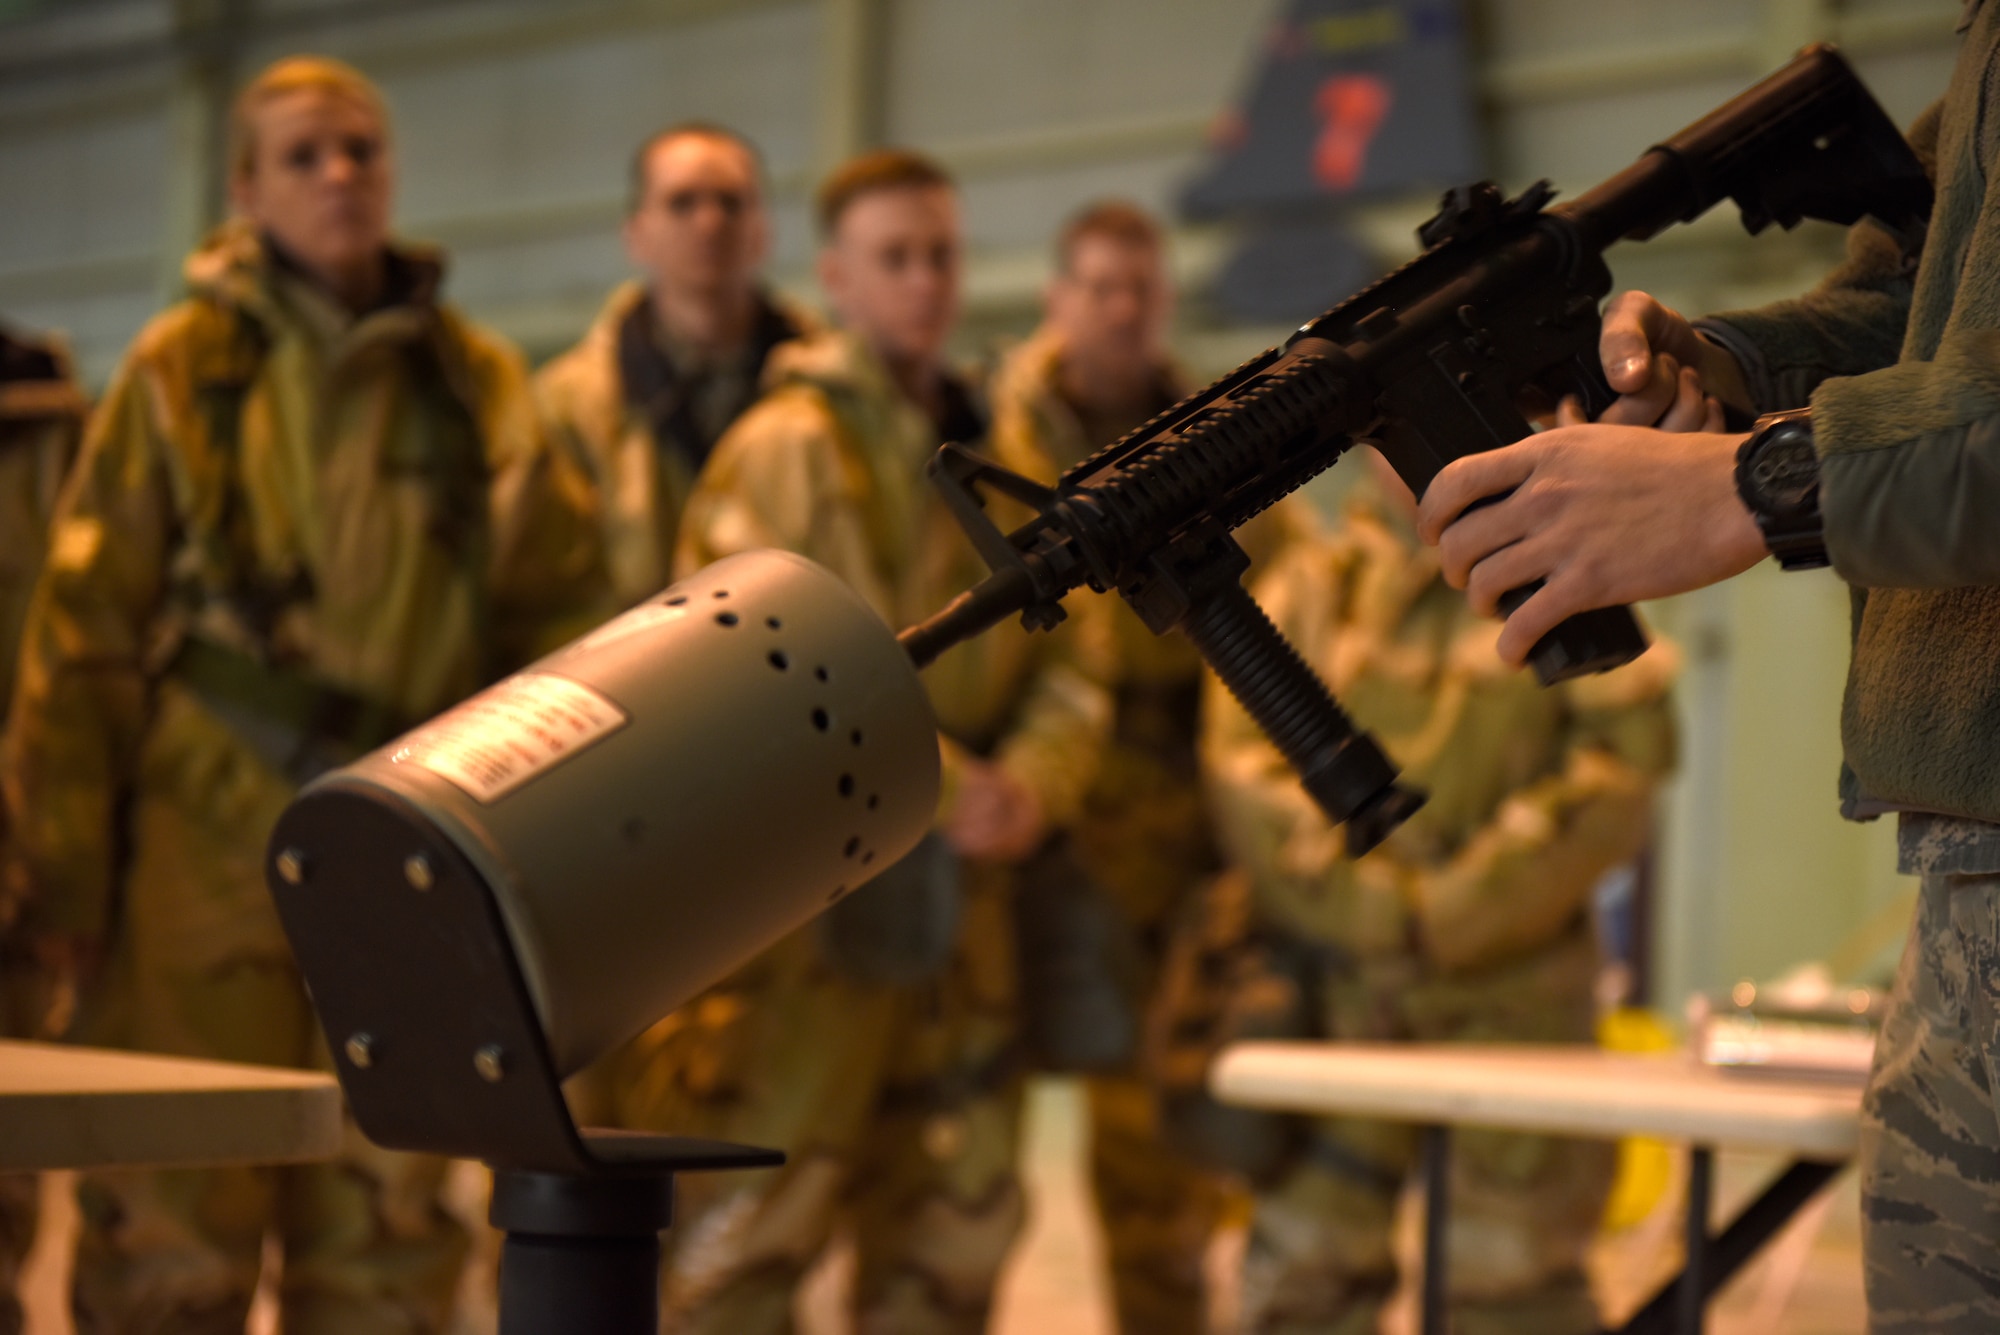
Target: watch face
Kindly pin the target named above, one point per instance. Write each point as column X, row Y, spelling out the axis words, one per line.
column 1784, row 471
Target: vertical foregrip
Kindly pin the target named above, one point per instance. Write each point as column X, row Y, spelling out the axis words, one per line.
column 1342, row 768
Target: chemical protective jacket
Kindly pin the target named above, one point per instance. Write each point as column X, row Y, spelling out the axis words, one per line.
column 830, row 464
column 41, row 421
column 618, row 406
column 277, row 507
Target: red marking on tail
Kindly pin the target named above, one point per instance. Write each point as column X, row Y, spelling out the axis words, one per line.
column 1352, row 107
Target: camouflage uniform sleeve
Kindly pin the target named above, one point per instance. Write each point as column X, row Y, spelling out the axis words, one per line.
column 82, row 693
column 1059, row 735
column 1016, row 439
column 1517, row 882
column 1850, row 324
column 558, row 389
column 1909, row 449
column 547, row 574
column 1056, row 746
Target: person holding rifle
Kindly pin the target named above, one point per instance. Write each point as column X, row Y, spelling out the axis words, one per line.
column 1877, row 452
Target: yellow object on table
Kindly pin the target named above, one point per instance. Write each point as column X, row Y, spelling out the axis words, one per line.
column 1645, row 1163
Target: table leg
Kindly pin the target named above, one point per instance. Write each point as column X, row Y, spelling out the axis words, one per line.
column 1730, row 1250
column 1437, row 1226
column 1693, row 1296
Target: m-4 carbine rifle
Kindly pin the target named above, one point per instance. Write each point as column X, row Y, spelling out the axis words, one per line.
column 1429, row 364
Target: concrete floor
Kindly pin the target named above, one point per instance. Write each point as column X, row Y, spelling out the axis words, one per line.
column 1807, row 1283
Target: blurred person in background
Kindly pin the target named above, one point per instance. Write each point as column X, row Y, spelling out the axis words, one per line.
column 877, row 1047
column 313, row 506
column 675, row 357
column 1095, row 912
column 41, row 421
column 1471, row 924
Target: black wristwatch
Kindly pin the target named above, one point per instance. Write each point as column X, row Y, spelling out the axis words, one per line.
column 1777, row 475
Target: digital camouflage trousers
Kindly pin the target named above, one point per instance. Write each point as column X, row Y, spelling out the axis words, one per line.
column 1930, row 1123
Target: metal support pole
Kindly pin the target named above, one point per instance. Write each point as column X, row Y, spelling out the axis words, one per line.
column 1437, row 1228
column 1729, row 1251
column 581, row 1253
column 1693, row 1294
column 853, row 59
column 208, row 35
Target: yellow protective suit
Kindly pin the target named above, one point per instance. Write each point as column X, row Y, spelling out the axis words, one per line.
column 338, row 508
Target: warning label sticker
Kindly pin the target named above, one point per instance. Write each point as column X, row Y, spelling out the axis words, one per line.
column 503, row 737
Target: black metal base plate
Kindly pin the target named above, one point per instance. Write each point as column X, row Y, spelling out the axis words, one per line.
column 435, row 1037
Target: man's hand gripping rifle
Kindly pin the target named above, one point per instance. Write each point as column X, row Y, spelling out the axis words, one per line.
column 1431, row 363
